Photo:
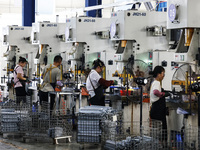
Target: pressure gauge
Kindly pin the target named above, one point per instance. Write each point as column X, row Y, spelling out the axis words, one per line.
column 173, row 12
column 67, row 33
column 113, row 30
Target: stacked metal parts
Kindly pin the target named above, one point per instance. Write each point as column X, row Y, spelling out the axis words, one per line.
column 89, row 122
column 131, row 143
column 9, row 121
column 131, row 135
column 55, row 132
column 35, row 123
column 14, row 117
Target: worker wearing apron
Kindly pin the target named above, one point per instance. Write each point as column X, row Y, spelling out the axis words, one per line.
column 51, row 77
column 157, row 99
column 20, row 80
column 95, row 84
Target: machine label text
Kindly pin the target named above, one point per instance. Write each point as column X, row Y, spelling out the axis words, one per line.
column 89, row 20
column 19, row 28
column 51, row 25
column 139, row 14
column 113, row 14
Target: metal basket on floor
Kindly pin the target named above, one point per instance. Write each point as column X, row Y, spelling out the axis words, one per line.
column 47, row 123
column 117, row 135
column 89, row 122
column 14, row 118
column 60, row 124
column 186, row 138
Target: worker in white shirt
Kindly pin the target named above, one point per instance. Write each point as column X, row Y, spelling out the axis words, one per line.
column 95, row 84
column 157, row 98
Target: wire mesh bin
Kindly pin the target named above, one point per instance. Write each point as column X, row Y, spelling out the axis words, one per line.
column 39, row 124
column 187, row 138
column 14, row 118
column 60, row 124
column 18, row 100
column 89, row 122
column 118, row 135
column 46, row 123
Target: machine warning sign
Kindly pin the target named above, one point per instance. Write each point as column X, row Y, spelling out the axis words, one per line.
column 139, row 14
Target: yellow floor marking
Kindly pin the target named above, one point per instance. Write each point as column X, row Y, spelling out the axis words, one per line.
column 13, row 145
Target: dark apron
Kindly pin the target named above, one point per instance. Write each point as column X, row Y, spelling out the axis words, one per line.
column 53, row 85
column 44, row 96
column 158, row 112
column 99, row 98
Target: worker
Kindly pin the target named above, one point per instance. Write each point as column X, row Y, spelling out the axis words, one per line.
column 20, row 80
column 51, row 78
column 95, row 84
column 157, row 99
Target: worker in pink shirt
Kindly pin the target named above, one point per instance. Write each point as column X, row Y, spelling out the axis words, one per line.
column 20, row 80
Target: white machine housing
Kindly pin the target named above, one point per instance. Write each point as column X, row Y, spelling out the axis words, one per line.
column 91, row 35
column 18, row 38
column 168, row 57
column 50, row 37
column 183, row 14
column 85, row 30
column 144, row 32
column 133, row 25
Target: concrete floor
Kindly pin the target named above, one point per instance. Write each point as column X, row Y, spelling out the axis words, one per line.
column 18, row 144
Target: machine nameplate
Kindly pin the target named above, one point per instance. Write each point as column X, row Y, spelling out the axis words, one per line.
column 51, row 25
column 139, row 14
column 89, row 20
column 19, row 28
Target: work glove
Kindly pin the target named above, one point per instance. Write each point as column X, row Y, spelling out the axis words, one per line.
column 59, row 83
column 27, row 80
column 167, row 94
column 115, row 82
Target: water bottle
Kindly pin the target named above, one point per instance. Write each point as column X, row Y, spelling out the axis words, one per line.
column 33, row 108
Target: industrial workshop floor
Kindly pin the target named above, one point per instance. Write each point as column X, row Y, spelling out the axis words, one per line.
column 13, row 143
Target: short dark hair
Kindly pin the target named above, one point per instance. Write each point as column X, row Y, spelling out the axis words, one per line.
column 97, row 63
column 157, row 70
column 22, row 59
column 57, row 59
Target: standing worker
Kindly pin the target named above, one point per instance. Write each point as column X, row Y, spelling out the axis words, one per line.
column 95, row 84
column 157, row 99
column 51, row 77
column 20, row 80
